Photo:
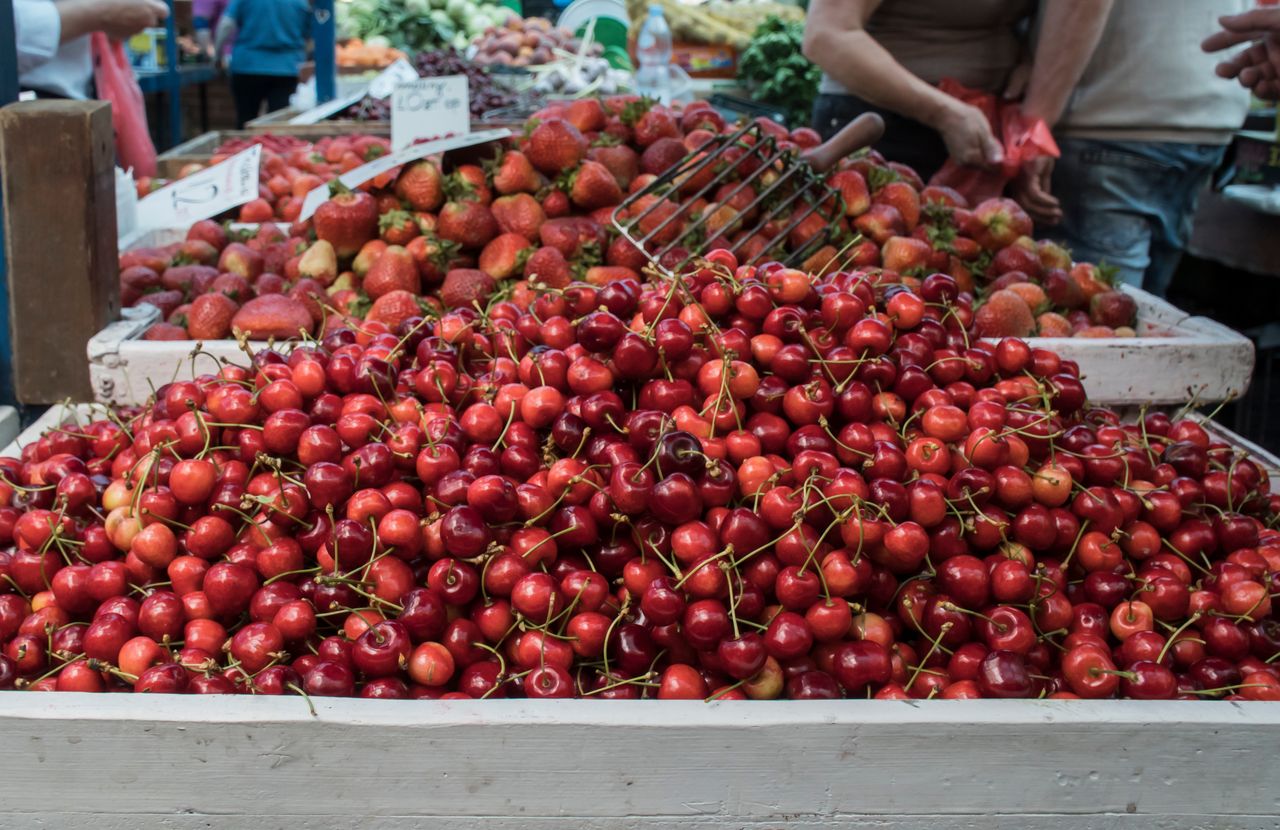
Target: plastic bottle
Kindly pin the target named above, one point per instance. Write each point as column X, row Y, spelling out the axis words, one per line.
column 653, row 48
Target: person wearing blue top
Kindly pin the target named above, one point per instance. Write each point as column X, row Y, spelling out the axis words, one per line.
column 270, row 45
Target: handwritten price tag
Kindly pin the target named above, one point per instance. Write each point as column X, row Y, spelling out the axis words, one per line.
column 428, row 108
column 400, row 72
column 203, row 195
column 358, row 176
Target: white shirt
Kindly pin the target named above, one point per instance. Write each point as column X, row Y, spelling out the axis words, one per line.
column 43, row 65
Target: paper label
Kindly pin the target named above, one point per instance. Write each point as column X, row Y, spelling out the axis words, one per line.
column 214, row 190
column 430, row 108
column 317, row 114
column 400, row 72
column 358, row 176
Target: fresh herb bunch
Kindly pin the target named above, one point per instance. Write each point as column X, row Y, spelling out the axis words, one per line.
column 776, row 72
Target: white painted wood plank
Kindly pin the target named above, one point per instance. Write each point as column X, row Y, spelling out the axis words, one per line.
column 604, row 764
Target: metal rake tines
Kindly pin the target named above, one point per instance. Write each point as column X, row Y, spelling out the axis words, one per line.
column 779, row 182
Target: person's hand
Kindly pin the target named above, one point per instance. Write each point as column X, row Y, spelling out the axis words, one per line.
column 1257, row 67
column 1032, row 190
column 968, row 135
column 120, row 19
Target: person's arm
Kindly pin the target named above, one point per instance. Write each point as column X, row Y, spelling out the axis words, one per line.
column 118, row 19
column 226, row 31
column 835, row 38
column 1070, row 31
column 1257, row 67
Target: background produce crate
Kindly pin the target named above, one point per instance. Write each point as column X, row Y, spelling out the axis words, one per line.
column 233, row 762
column 201, row 148
column 1199, row 359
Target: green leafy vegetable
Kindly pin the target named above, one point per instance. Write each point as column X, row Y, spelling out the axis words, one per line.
column 775, row 71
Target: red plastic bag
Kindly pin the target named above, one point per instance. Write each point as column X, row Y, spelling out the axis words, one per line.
column 116, row 83
column 1022, row 140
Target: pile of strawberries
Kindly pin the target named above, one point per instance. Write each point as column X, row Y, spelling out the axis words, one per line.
column 539, row 213
column 290, row 168
column 742, row 482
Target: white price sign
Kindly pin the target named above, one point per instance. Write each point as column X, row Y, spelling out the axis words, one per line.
column 430, row 108
column 400, row 72
column 217, row 189
column 358, row 176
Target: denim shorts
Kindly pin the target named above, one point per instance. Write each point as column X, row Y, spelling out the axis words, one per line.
column 1130, row 203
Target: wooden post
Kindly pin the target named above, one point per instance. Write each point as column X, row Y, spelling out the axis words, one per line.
column 58, row 159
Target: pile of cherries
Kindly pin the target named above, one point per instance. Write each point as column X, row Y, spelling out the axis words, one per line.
column 741, row 483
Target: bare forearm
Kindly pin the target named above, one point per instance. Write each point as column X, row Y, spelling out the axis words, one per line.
column 226, row 31
column 865, row 68
column 1069, row 32
column 78, row 17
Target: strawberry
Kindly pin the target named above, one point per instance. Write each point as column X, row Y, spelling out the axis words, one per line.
column 1022, row 256
column 238, row 258
column 658, row 122
column 881, row 222
column 185, row 278
column 805, row 137
column 587, row 114
column 468, row 223
column 347, row 221
column 622, row 252
column 504, row 256
column 207, row 230
column 166, row 331
column 809, row 225
column 600, row 275
column 519, row 213
column 548, row 267
column 905, row 198
column 662, row 155
column 907, row 174
column 702, row 118
column 312, row 295
column 233, row 285
column 393, row 308
column 998, row 222
column 468, row 181
column 515, row 174
column 570, row 234
column 657, row 220
column 554, row 146
column 368, row 255
column 1090, row 279
column 593, row 186
column 198, row 251
column 1063, row 291
column 1112, row 308
column 394, row 270
column 852, row 188
column 421, row 186
column 272, row 316
column 1004, row 314
column 209, row 317
column 1053, row 255
column 397, row 227
column 432, row 257
column 939, row 195
column 465, row 286
column 1051, row 324
column 1031, row 294
column 319, row 263
column 166, row 301
column 621, row 161
column 905, row 254
column 556, row 204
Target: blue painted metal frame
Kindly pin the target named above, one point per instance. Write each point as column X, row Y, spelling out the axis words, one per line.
column 324, row 30
column 173, row 77
column 8, row 94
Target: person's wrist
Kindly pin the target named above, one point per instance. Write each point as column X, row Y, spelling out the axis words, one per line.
column 942, row 112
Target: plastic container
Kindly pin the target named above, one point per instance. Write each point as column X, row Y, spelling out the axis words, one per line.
column 653, row 53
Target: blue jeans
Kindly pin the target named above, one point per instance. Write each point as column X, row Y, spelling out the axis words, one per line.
column 1130, row 203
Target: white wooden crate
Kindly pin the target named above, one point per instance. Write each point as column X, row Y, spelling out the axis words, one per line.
column 128, row 762
column 1180, row 358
